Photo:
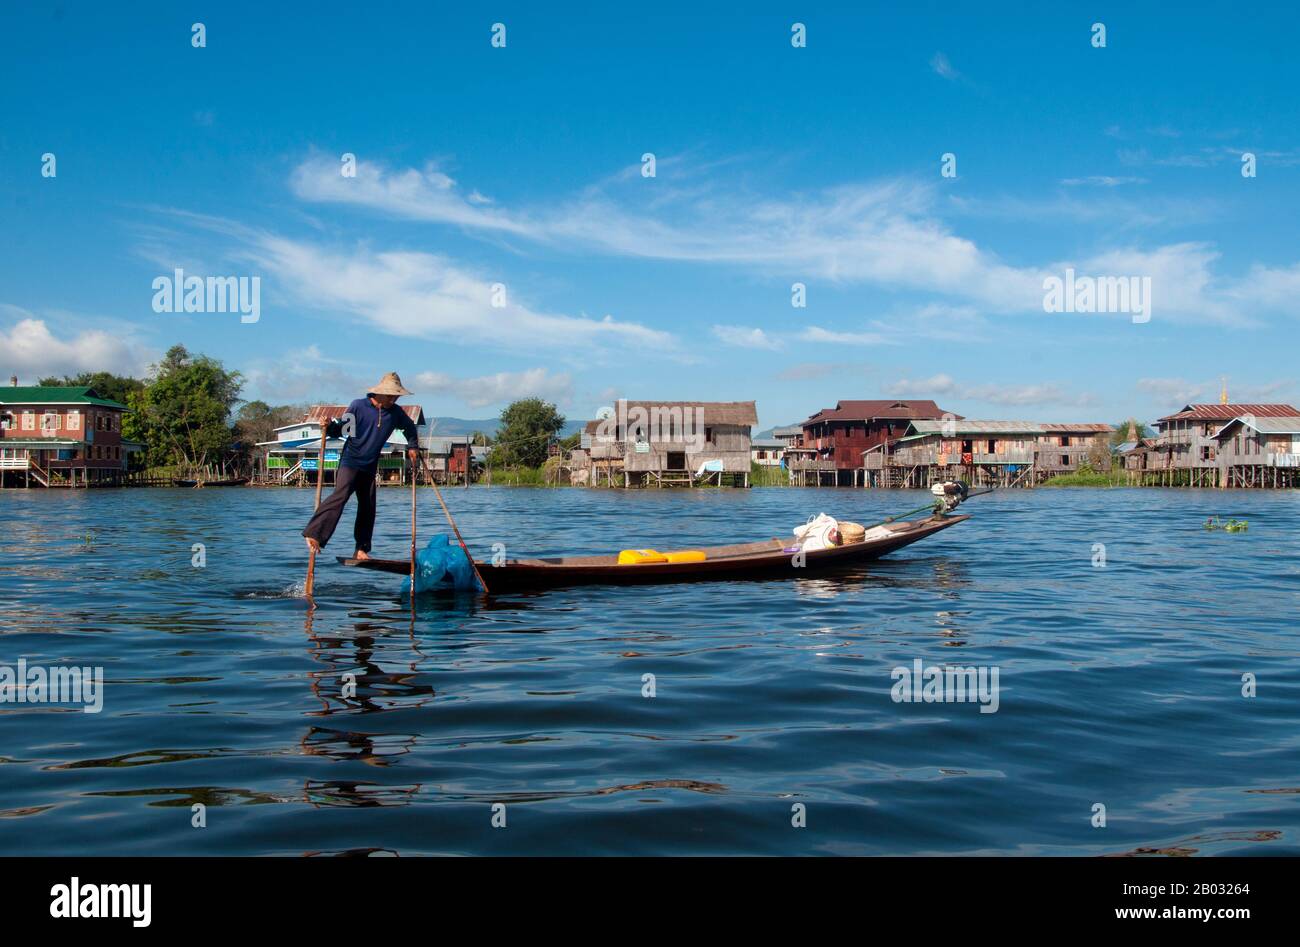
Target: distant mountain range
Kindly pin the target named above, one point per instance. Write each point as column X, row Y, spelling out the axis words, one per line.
column 768, row 432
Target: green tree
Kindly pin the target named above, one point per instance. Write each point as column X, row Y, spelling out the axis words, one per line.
column 257, row 420
column 187, row 408
column 1120, row 434
column 527, row 428
column 106, row 384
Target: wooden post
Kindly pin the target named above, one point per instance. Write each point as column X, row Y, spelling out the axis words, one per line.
column 320, row 479
column 413, row 478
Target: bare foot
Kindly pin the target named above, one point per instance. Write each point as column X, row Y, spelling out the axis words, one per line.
column 312, row 544
column 360, row 554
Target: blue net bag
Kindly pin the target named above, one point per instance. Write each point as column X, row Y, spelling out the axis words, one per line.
column 440, row 566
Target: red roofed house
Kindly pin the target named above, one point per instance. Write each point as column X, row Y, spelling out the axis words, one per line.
column 1186, row 439
column 835, row 439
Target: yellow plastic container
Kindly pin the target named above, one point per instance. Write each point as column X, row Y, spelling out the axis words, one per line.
column 637, row 557
column 686, row 555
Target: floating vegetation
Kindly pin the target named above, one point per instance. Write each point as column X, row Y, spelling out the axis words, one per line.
column 1231, row 526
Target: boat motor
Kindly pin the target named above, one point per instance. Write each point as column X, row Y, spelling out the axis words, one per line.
column 949, row 495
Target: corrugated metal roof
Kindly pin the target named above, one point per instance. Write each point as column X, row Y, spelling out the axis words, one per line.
column 742, row 413
column 39, row 442
column 880, row 408
column 1270, row 425
column 1087, row 428
column 964, row 426
column 1226, row 412
column 329, row 412
column 51, row 394
column 789, row 430
column 767, row 443
column 442, row 443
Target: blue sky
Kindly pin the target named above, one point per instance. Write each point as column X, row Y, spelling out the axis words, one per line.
column 774, row 165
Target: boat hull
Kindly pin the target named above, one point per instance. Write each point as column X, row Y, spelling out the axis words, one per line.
column 746, row 560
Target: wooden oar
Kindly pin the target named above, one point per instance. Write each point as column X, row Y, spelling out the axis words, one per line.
column 454, row 529
column 320, row 480
column 414, row 476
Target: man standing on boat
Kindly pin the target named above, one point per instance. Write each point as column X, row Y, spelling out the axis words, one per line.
column 373, row 419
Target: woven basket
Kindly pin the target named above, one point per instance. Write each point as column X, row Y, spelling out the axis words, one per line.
column 852, row 532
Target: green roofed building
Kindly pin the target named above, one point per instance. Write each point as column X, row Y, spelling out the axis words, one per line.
column 54, row 436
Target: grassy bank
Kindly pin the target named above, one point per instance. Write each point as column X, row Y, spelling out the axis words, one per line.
column 1089, row 478
column 760, row 476
column 523, row 477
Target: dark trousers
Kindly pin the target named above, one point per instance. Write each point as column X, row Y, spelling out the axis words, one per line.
column 347, row 481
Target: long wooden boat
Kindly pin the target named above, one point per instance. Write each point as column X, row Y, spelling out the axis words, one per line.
column 763, row 559
column 232, row 482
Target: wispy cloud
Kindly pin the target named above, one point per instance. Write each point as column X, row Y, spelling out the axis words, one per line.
column 945, row 386
column 499, row 388
column 811, row 371
column 1173, row 393
column 885, row 233
column 882, row 232
column 818, row 334
column 940, row 64
column 1102, row 180
column 746, row 337
column 414, row 294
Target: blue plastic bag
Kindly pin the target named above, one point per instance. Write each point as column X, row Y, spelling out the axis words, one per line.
column 440, row 566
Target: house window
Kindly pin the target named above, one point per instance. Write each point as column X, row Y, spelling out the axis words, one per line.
column 1065, row 440
column 49, row 422
column 74, row 420
column 993, row 446
column 1065, row 460
column 29, row 420
column 708, row 435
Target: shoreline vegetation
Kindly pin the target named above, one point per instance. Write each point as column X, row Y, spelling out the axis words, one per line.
column 1090, row 478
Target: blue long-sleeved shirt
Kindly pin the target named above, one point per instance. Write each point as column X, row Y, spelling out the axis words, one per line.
column 372, row 428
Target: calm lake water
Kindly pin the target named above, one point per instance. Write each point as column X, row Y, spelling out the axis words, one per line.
column 1120, row 686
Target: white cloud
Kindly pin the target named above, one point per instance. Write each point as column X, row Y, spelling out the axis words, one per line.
column 818, row 334
column 1183, row 286
column 940, row 64
column 881, row 232
column 424, row 194
column 405, row 293
column 425, row 295
column 1270, row 286
column 943, row 385
column 1173, row 393
column 1173, row 390
column 934, row 385
column 500, row 388
column 886, row 233
column 1103, row 180
column 34, row 350
column 746, row 338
